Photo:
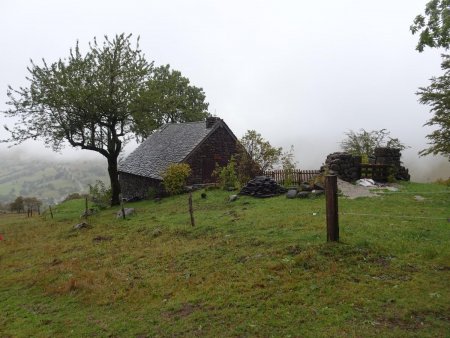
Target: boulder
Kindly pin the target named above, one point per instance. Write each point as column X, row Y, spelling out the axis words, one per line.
column 303, row 194
column 128, row 212
column 292, row 193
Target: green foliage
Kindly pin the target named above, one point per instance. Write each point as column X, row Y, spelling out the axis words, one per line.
column 168, row 98
column 363, row 143
column 17, row 205
column 288, row 165
column 100, row 195
column 437, row 95
column 95, row 101
column 227, row 175
column 260, row 150
column 434, row 26
column 444, row 182
column 175, row 177
column 246, row 167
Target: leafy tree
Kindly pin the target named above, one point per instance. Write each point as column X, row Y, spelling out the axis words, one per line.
column 260, row 151
column 434, row 26
column 17, row 205
column 363, row 143
column 93, row 101
column 32, row 203
column 437, row 95
column 169, row 98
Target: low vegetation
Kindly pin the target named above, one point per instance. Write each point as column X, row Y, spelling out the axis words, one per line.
column 253, row 267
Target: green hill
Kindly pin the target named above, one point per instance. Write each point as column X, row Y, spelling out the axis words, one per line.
column 250, row 268
column 46, row 179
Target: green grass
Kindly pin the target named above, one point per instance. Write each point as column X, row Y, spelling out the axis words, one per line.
column 248, row 268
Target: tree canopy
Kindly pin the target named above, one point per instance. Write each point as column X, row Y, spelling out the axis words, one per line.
column 434, row 26
column 363, row 143
column 100, row 100
column 260, row 150
column 437, row 95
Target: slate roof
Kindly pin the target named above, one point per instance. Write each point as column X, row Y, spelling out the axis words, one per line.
column 172, row 143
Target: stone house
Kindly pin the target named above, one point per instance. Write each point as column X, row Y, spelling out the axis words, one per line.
column 200, row 144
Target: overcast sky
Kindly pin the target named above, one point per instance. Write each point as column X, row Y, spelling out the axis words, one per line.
column 299, row 72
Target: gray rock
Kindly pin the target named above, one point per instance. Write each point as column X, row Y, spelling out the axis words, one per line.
column 305, row 187
column 233, row 198
column 317, row 193
column 128, row 212
column 303, row 194
column 82, row 225
column 291, row 193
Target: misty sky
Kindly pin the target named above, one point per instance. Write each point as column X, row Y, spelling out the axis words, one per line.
column 298, row 72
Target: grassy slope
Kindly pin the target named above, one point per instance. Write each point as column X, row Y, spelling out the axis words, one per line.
column 248, row 268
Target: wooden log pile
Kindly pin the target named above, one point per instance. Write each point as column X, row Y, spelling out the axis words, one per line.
column 262, row 186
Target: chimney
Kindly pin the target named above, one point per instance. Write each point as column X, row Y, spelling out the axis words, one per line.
column 211, row 121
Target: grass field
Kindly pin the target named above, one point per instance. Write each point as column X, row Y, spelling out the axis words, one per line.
column 248, row 268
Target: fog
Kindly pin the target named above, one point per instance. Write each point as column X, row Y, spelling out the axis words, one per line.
column 300, row 73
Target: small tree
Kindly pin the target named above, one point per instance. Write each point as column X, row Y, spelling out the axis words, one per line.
column 175, row 177
column 437, row 95
column 260, row 150
column 363, row 143
column 17, row 205
column 227, row 175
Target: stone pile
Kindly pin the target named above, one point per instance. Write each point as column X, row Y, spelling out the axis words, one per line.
column 344, row 165
column 262, row 186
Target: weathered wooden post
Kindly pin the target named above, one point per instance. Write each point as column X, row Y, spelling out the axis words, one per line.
column 191, row 209
column 51, row 212
column 332, row 208
column 86, row 208
column 121, row 206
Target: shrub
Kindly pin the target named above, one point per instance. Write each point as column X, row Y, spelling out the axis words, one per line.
column 175, row 176
column 444, row 182
column 74, row 196
column 227, row 175
column 100, row 195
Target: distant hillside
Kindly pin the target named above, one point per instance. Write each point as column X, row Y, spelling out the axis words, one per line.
column 48, row 180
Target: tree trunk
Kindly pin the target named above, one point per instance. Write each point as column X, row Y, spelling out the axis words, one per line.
column 114, row 179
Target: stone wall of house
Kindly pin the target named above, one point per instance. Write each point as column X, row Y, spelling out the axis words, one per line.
column 134, row 186
column 217, row 148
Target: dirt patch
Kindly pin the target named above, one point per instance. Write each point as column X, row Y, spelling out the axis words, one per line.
column 184, row 311
column 353, row 191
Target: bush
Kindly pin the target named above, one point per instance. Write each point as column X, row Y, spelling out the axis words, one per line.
column 227, row 175
column 100, row 195
column 74, row 196
column 444, row 182
column 175, row 177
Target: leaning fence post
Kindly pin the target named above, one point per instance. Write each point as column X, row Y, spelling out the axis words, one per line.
column 51, row 212
column 191, row 209
column 332, row 208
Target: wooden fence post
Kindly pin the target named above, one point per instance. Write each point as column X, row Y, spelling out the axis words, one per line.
column 332, row 208
column 86, row 208
column 121, row 206
column 191, row 209
column 51, row 212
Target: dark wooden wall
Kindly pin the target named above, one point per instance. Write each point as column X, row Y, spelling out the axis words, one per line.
column 217, row 148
